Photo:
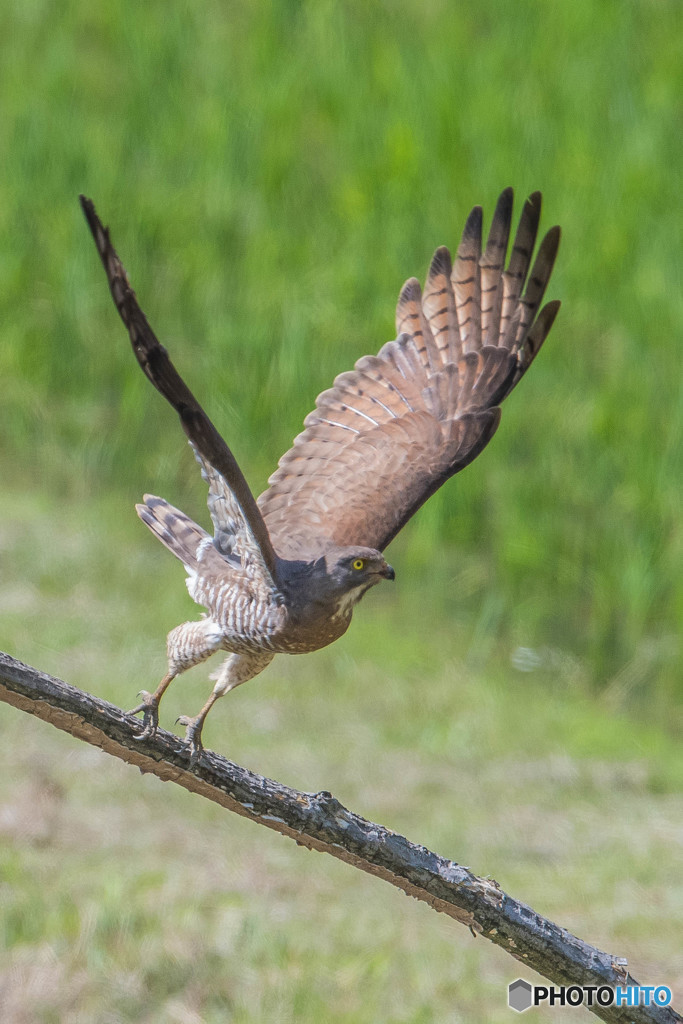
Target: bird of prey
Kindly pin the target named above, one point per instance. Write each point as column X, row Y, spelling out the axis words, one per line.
column 284, row 572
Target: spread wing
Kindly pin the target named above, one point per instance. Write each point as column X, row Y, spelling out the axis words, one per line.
column 389, row 433
column 240, row 531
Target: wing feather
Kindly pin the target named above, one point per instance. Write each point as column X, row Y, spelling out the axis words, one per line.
column 467, row 282
column 412, row 321
column 492, row 264
column 439, row 306
column 518, row 267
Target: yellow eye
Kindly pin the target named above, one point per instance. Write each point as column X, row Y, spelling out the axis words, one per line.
column 359, row 563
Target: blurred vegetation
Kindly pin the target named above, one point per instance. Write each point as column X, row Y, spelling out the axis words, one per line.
column 272, row 172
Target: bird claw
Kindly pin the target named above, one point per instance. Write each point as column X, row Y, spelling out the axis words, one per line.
column 150, row 710
column 193, row 736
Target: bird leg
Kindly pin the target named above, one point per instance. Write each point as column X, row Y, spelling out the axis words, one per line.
column 186, row 645
column 236, row 669
column 194, row 726
column 150, row 707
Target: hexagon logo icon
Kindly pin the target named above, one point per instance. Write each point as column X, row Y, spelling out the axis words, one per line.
column 519, row 995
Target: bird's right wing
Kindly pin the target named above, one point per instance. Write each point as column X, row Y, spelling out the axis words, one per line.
column 229, row 492
column 390, row 432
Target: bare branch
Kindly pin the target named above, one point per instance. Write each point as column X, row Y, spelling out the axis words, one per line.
column 319, row 822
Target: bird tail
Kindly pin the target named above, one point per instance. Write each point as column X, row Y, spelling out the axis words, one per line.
column 175, row 530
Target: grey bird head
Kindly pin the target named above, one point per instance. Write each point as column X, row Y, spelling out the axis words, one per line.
column 351, row 571
column 335, row 581
column 351, row 568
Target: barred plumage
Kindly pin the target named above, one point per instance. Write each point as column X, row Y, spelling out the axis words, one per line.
column 284, row 573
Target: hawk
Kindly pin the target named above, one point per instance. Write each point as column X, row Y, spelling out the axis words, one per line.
column 282, row 574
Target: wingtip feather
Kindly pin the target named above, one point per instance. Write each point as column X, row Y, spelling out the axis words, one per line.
column 411, row 291
column 472, row 231
column 441, row 262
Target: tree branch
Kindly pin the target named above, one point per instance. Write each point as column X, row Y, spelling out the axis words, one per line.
column 319, row 822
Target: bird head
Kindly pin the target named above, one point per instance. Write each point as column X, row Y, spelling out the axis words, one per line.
column 354, row 570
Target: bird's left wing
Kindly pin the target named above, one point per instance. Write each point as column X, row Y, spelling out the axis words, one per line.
column 240, row 528
column 233, row 536
column 389, row 433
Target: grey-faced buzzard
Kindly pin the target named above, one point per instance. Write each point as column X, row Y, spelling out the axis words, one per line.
column 283, row 573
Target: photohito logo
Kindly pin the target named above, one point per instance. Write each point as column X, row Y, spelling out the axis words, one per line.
column 522, row 995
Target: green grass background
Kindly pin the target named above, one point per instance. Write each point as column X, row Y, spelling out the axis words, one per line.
column 272, row 173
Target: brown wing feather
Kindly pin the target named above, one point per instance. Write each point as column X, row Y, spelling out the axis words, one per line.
column 412, row 322
column 438, row 304
column 491, row 267
column 389, row 433
column 466, row 280
column 155, row 363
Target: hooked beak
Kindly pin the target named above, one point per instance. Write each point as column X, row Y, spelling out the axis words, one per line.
column 388, row 573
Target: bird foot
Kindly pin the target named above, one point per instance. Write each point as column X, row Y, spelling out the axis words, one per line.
column 193, row 735
column 150, row 710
